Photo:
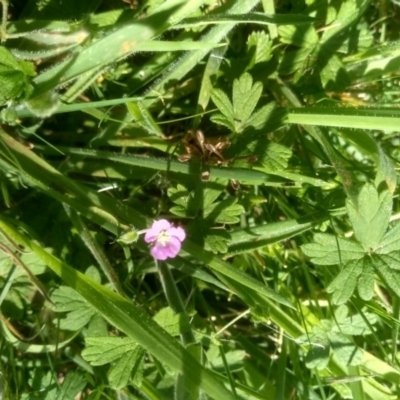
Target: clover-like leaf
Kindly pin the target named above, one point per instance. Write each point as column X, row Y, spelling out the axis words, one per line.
column 370, row 216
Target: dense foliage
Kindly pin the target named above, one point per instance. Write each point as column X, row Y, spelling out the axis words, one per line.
column 199, row 199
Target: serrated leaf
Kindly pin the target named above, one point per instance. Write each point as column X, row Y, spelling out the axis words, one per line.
column 103, row 350
column 180, row 211
column 130, row 364
column 175, row 324
column 318, row 355
column 79, row 310
column 387, row 267
column 224, row 212
column 259, row 43
column 370, row 216
column 345, row 350
column 221, row 100
column 220, row 119
column 211, row 194
column 355, row 325
column 186, row 206
column 333, row 74
column 345, row 283
column 331, row 250
column 391, row 241
column 245, row 97
column 217, row 241
column 259, row 119
column 301, row 36
column 275, row 158
column 73, row 384
column 14, row 77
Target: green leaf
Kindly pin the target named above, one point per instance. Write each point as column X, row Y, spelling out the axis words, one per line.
column 331, row 250
column 387, row 267
column 391, row 241
column 357, row 272
column 14, row 77
column 128, row 366
column 260, row 118
column 125, row 352
column 318, row 355
column 73, row 384
column 224, row 212
column 103, row 350
column 370, row 216
column 259, row 45
column 245, row 97
column 221, row 100
column 217, row 240
column 143, row 117
column 79, row 311
column 128, row 317
column 174, row 323
column 355, row 325
column 345, row 350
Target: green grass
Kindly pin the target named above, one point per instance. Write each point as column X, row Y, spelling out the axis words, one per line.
column 267, row 131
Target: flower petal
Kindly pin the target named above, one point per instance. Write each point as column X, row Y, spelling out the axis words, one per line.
column 178, row 232
column 156, row 228
column 159, row 252
column 173, row 247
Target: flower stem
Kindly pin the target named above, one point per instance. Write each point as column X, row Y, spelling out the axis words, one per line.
column 173, row 297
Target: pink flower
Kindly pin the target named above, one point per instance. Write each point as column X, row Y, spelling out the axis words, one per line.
column 165, row 238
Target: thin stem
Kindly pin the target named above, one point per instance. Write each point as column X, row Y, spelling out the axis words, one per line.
column 3, row 28
column 173, row 298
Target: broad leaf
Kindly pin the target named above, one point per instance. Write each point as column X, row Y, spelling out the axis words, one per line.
column 126, row 354
column 331, row 250
column 79, row 311
column 14, row 77
column 174, row 324
column 370, row 216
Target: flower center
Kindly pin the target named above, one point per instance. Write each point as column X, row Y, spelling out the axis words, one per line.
column 163, row 237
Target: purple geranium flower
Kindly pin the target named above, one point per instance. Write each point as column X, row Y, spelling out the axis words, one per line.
column 165, row 238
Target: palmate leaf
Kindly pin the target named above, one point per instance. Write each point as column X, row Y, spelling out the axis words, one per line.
column 245, row 96
column 126, row 353
column 370, row 216
column 331, row 250
column 331, row 335
column 355, row 273
column 45, row 388
column 378, row 253
column 79, row 312
column 239, row 114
